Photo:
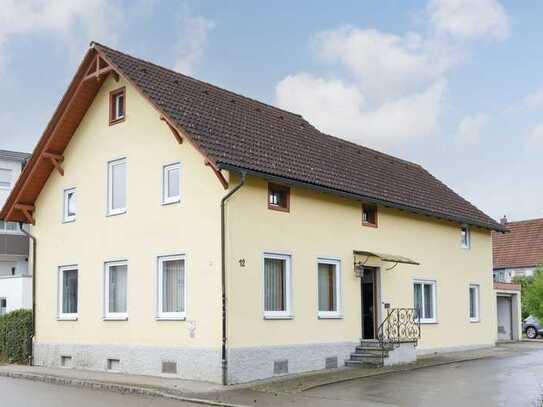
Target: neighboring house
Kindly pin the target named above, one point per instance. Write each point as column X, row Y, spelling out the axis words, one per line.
column 15, row 277
column 516, row 254
column 187, row 231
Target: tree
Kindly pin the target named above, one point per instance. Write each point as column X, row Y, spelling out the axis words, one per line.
column 532, row 294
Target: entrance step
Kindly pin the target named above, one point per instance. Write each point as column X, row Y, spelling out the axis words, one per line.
column 363, row 363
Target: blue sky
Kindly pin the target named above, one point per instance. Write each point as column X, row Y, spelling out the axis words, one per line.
column 454, row 85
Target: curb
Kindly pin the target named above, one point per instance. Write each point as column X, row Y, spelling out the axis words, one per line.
column 391, row 371
column 113, row 387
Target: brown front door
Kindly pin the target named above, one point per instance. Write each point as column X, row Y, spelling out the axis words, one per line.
column 368, row 296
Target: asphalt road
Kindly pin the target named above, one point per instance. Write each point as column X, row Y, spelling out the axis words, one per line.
column 26, row 393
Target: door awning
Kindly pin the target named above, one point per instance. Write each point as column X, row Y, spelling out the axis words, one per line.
column 361, row 257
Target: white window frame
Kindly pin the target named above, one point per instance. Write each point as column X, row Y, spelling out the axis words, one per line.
column 179, row 316
column 477, row 317
column 110, row 210
column 114, row 316
column 6, row 308
column 116, row 99
column 330, row 314
column 65, row 217
column 7, row 188
column 465, row 244
column 287, row 313
column 165, row 183
column 5, row 230
column 61, row 315
column 433, row 283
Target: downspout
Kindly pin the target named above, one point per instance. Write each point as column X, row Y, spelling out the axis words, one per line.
column 224, row 357
column 34, row 244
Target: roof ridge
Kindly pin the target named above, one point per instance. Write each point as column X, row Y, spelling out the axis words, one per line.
column 533, row 220
column 198, row 80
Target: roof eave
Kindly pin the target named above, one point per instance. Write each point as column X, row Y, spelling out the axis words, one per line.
column 359, row 197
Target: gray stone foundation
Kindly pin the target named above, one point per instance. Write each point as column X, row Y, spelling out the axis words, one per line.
column 202, row 364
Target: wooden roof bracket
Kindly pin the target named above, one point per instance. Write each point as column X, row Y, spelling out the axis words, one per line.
column 217, row 173
column 172, row 129
column 27, row 211
column 98, row 71
column 56, row 159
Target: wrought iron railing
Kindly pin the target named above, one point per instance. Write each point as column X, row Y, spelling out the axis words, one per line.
column 400, row 325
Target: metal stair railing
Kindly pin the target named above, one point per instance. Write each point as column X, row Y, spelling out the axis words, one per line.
column 400, row 325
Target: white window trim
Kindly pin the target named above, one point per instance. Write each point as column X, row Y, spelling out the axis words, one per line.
column 116, row 109
column 61, row 316
column 433, row 283
column 165, row 184
column 170, row 316
column 65, row 217
column 477, row 317
column 466, row 245
column 287, row 314
column 114, row 316
column 339, row 312
column 110, row 210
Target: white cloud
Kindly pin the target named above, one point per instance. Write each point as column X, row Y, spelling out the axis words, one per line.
column 389, row 87
column 192, row 42
column 535, row 138
column 471, row 128
column 533, row 101
column 76, row 22
column 469, row 19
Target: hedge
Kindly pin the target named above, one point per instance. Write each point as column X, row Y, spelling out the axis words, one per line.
column 16, row 336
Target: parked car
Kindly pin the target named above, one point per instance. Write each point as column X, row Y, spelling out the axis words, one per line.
column 532, row 327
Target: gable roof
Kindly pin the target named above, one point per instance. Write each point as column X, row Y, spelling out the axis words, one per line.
column 238, row 133
column 522, row 247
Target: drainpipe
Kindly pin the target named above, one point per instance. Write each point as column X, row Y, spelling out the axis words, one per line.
column 34, row 244
column 224, row 356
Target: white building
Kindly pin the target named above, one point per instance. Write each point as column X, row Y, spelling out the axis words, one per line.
column 15, row 273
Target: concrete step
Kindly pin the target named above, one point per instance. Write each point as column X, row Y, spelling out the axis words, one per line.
column 366, row 356
column 360, row 363
column 373, row 349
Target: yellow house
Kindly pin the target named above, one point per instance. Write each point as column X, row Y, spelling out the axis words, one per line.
column 187, row 231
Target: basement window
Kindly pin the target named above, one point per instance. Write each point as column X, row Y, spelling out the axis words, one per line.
column 278, row 197
column 117, row 106
column 369, row 215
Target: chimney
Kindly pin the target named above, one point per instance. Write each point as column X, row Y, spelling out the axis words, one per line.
column 503, row 220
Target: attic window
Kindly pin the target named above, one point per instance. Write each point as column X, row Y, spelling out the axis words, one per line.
column 117, row 106
column 369, row 215
column 278, row 197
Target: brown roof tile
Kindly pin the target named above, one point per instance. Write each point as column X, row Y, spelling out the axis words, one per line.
column 522, row 247
column 238, row 132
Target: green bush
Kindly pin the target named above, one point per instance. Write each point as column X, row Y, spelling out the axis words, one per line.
column 16, row 336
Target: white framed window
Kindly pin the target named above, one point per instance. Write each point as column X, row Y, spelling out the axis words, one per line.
column 329, row 288
column 474, row 301
column 5, row 178
column 171, row 183
column 277, row 286
column 3, row 306
column 117, row 187
column 69, row 206
column 172, row 291
column 68, row 292
column 116, row 290
column 424, row 300
column 465, row 237
column 117, row 106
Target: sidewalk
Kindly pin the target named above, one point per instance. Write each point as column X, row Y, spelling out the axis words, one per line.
column 214, row 394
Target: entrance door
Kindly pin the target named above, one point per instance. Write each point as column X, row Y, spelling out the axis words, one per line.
column 505, row 326
column 368, row 294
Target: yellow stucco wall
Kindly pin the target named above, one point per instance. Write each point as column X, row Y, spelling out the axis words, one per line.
column 146, row 231
column 322, row 225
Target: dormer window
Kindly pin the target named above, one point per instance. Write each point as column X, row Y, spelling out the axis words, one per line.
column 117, row 106
column 369, row 215
column 278, row 197
column 465, row 237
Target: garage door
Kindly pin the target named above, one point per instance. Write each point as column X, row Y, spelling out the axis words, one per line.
column 505, row 331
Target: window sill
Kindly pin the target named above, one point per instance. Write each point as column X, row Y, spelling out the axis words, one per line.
column 115, row 318
column 166, row 318
column 272, row 317
column 68, row 221
column 369, row 225
column 475, row 321
column 68, row 318
column 109, row 214
column 117, row 121
column 428, row 322
column 278, row 208
column 331, row 316
column 173, row 202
